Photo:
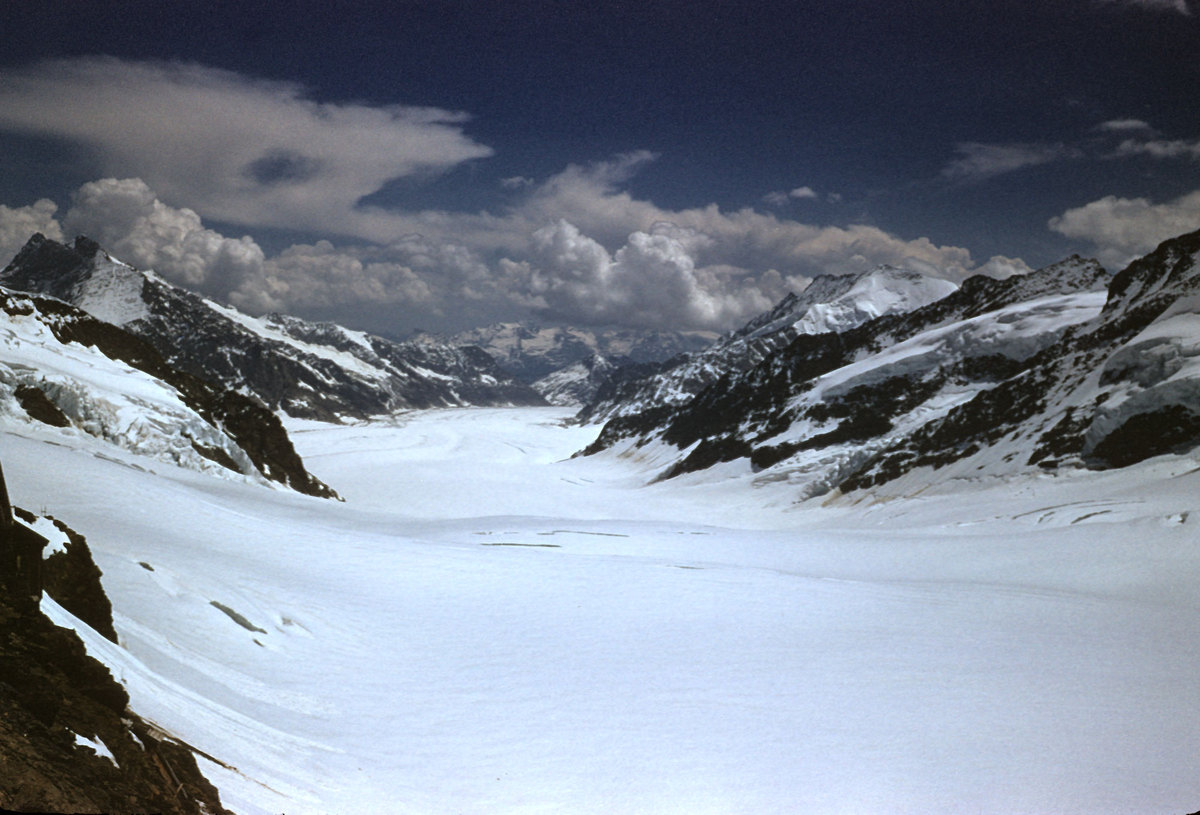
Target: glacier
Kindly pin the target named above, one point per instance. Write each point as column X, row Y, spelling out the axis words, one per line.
column 488, row 624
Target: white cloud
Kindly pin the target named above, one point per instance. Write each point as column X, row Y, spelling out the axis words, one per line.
column 1178, row 6
column 18, row 224
column 127, row 219
column 305, row 276
column 617, row 259
column 235, row 149
column 1000, row 266
column 779, row 197
column 1124, row 126
column 1122, row 229
column 1160, row 148
column 978, row 161
column 651, row 281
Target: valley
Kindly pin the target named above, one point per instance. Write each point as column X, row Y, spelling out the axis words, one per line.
column 487, row 624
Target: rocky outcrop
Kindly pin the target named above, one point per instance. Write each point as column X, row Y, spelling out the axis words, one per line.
column 68, row 741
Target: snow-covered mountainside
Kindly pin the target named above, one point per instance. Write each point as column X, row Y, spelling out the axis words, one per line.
column 62, row 367
column 839, row 409
column 531, row 352
column 309, row 370
column 579, row 382
column 829, row 303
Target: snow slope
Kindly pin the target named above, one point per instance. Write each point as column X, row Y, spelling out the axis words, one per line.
column 488, row 626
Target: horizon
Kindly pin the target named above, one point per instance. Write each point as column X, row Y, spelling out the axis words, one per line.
column 445, row 165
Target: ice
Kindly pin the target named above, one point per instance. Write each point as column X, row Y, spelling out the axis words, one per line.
column 489, row 625
column 97, row 745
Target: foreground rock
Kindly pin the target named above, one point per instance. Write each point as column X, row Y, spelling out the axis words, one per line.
column 68, row 741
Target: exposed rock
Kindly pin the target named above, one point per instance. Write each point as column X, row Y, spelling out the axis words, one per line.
column 40, row 407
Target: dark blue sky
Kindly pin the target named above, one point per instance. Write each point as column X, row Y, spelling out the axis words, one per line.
column 971, row 124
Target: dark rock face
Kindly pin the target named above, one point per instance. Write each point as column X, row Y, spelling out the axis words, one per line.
column 51, row 692
column 55, row 700
column 308, row 370
column 72, row 578
column 39, row 407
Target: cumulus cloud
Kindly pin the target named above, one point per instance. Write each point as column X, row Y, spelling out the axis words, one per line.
column 17, row 224
column 978, row 161
column 592, row 199
column 1122, row 229
column 127, row 219
column 651, row 281
column 235, row 149
column 576, row 247
column 1000, row 266
column 319, row 275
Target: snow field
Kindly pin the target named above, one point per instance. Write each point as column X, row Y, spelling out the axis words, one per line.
column 488, row 626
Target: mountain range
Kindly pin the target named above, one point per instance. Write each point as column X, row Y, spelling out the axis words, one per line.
column 830, row 304
column 1065, row 367
column 530, row 352
column 307, row 370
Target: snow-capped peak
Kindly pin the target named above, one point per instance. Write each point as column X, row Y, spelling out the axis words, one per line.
column 884, row 290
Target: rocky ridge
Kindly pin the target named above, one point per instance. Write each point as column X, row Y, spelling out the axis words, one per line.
column 65, row 368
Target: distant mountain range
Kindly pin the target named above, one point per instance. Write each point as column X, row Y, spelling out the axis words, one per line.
column 530, row 352
column 307, row 370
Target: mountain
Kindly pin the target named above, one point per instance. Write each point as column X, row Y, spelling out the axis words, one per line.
column 579, row 382
column 307, row 370
column 829, row 303
column 531, row 352
column 931, row 386
column 63, row 367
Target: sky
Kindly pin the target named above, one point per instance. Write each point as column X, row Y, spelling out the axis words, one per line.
column 442, row 164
